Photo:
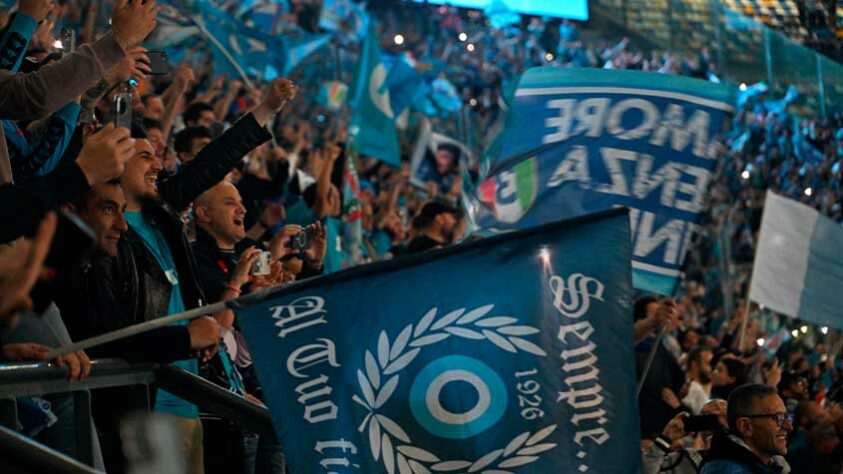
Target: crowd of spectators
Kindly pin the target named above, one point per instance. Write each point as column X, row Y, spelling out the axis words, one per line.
column 210, row 174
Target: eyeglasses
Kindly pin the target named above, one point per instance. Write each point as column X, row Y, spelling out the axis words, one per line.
column 779, row 418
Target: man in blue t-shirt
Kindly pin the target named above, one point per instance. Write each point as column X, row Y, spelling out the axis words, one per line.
column 156, row 260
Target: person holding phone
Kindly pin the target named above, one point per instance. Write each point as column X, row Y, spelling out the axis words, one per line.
column 683, row 443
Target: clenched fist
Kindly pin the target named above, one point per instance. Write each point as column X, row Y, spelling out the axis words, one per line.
column 280, row 92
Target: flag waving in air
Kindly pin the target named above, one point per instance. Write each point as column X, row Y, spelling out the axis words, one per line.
column 578, row 141
column 512, row 354
column 373, row 120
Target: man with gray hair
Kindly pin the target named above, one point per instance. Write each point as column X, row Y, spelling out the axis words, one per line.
column 759, row 425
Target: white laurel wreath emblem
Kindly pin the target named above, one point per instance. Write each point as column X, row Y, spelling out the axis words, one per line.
column 388, row 440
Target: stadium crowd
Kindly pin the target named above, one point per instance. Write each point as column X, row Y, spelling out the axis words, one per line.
column 213, row 190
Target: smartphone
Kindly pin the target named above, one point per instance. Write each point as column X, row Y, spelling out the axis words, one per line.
column 694, row 424
column 123, row 107
column 68, row 40
column 158, row 63
column 263, row 265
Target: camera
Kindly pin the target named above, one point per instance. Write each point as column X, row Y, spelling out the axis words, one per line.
column 263, row 265
column 301, row 241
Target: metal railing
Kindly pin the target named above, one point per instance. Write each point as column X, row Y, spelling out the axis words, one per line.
column 21, row 454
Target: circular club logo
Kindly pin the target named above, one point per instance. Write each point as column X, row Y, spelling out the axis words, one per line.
column 452, row 397
column 462, row 375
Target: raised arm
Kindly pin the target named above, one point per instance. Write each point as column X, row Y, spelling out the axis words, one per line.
column 218, row 158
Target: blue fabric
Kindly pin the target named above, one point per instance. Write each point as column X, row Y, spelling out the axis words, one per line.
column 581, row 141
column 820, row 301
column 405, row 84
column 537, row 358
column 44, row 155
column 335, row 257
column 373, row 120
column 14, row 43
column 154, row 241
column 382, row 242
column 300, row 213
column 257, row 54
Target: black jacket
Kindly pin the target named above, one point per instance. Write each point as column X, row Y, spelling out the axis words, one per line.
column 151, row 296
column 728, row 457
column 215, row 266
column 92, row 303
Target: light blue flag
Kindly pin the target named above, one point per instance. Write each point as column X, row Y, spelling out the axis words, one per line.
column 257, row 54
column 798, row 268
column 404, row 82
column 373, row 120
column 263, row 15
column 348, row 19
column 299, row 48
column 580, row 141
column 500, row 15
column 507, row 355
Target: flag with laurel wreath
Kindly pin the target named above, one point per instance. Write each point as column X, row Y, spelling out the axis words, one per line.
column 511, row 354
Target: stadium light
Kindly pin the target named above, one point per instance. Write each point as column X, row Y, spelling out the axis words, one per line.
column 463, row 37
column 804, row 329
column 742, row 86
column 824, row 329
column 398, row 39
column 745, row 174
column 549, row 57
column 760, row 341
column 57, row 44
column 809, row 191
column 795, row 333
column 472, row 102
column 470, row 47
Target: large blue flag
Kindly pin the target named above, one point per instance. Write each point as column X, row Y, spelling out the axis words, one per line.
column 299, row 48
column 507, row 355
column 580, row 141
column 404, row 82
column 373, row 121
column 236, row 47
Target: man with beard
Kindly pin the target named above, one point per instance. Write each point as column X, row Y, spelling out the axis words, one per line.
column 757, row 441
column 156, row 258
column 436, row 226
column 699, row 375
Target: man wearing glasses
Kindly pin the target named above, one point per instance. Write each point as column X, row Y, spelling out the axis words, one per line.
column 757, row 441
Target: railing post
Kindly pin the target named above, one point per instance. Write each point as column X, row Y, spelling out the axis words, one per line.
column 82, row 422
column 9, row 413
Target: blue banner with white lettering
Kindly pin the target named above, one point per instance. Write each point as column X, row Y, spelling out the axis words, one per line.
column 578, row 141
column 511, row 354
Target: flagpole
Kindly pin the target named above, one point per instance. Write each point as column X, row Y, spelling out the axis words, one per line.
column 147, row 326
column 650, row 358
column 200, row 24
column 743, row 324
column 749, row 291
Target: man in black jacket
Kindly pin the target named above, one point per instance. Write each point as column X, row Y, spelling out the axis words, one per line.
column 154, row 273
column 225, row 257
column 90, row 299
column 166, row 268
